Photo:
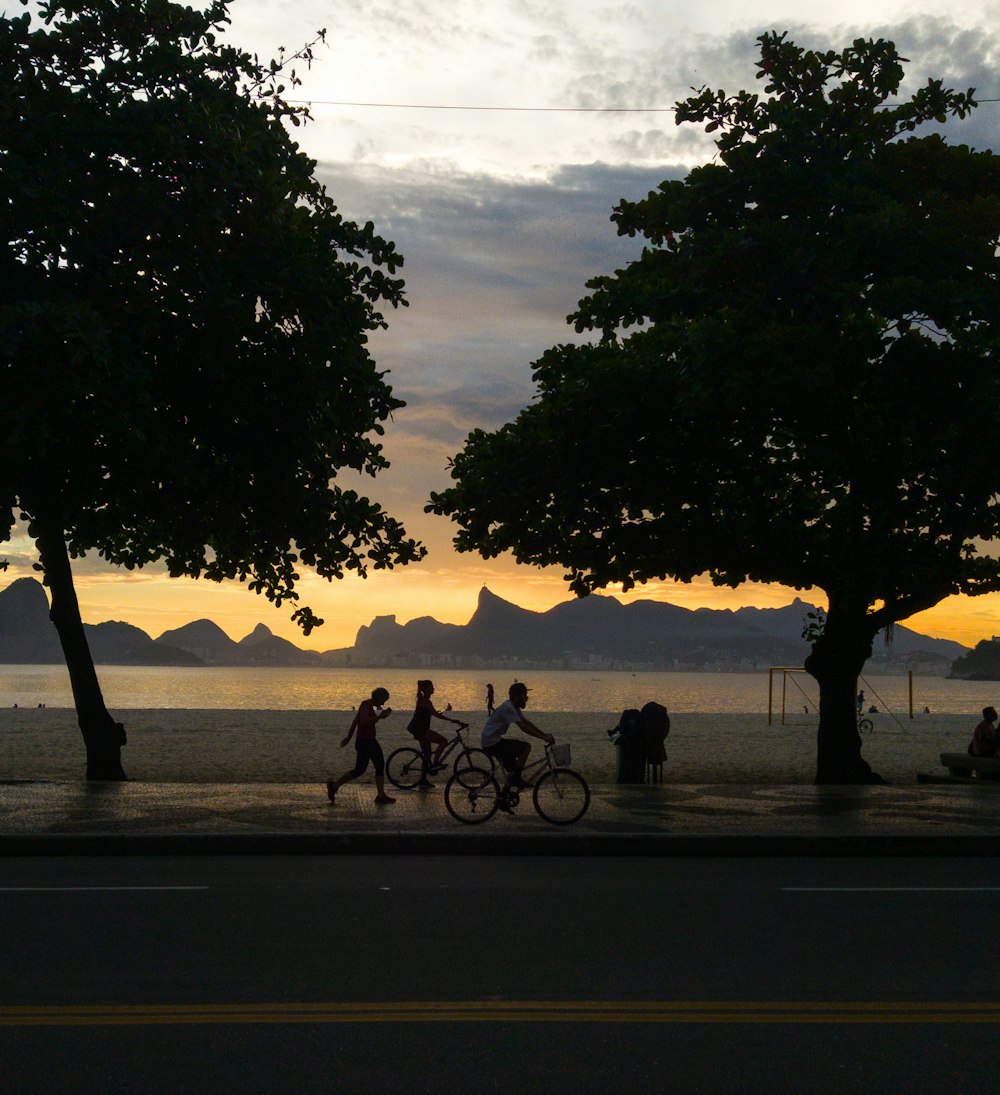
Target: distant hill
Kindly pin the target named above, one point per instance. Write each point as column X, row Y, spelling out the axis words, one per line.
column 26, row 632
column 979, row 664
column 260, row 647
column 27, row 636
column 595, row 632
column 115, row 643
column 600, row 632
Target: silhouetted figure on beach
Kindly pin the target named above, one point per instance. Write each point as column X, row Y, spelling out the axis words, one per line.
column 368, row 749
column 489, row 699
column 861, row 701
column 420, row 728
column 984, row 737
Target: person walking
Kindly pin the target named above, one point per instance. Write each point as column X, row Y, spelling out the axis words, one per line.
column 420, row 728
column 489, row 699
column 369, row 714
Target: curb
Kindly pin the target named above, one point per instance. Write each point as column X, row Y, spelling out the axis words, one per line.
column 460, row 843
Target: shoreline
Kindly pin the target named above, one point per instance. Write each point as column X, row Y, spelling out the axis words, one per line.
column 175, row 745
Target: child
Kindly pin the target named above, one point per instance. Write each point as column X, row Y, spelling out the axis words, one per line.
column 368, row 749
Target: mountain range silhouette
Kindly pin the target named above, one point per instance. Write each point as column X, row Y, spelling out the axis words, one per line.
column 593, row 632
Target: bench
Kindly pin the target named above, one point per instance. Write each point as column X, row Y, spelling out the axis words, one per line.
column 963, row 764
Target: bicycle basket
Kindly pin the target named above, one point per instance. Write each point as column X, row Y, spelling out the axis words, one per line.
column 561, row 754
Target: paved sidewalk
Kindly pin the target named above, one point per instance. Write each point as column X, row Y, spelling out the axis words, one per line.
column 262, row 818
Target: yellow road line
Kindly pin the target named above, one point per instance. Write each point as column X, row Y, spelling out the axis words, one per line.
column 505, row 1011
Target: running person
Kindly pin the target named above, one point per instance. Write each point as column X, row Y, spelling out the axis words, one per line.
column 420, row 728
column 511, row 752
column 368, row 749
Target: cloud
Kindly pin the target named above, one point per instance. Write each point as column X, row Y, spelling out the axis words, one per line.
column 493, row 267
column 961, row 53
column 583, row 53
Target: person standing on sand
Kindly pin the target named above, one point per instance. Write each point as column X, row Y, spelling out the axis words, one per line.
column 368, row 749
column 489, row 699
column 420, row 728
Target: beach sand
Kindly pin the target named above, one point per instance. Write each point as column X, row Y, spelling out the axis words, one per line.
column 206, row 746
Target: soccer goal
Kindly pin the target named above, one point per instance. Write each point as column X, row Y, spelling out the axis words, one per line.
column 797, row 703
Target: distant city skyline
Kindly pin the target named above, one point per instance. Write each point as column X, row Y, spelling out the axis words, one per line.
column 502, row 216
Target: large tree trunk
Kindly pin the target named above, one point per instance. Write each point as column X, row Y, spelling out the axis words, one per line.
column 102, row 736
column 836, row 661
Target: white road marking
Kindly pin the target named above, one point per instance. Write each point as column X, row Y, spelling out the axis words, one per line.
column 92, row 889
column 890, row 889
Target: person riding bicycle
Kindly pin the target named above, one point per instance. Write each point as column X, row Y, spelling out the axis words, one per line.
column 420, row 728
column 511, row 752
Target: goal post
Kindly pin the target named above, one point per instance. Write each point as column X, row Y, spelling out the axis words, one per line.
column 784, row 670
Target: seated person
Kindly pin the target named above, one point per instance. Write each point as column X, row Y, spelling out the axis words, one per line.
column 511, row 752
column 984, row 737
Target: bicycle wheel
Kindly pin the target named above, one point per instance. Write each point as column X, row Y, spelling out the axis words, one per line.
column 405, row 767
column 472, row 761
column 561, row 796
column 472, row 805
column 865, row 726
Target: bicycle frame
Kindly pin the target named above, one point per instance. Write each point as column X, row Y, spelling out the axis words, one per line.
column 456, row 741
column 546, row 760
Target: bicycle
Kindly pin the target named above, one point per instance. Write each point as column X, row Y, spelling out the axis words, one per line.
column 405, row 767
column 865, row 725
column 560, row 794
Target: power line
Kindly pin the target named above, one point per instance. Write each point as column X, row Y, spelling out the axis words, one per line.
column 511, row 109
column 530, row 109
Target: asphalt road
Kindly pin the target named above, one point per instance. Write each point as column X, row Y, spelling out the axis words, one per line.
column 460, row 974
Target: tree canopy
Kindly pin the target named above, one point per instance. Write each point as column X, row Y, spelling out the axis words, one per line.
column 791, row 383
column 184, row 312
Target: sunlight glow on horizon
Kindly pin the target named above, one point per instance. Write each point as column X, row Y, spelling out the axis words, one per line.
column 158, row 604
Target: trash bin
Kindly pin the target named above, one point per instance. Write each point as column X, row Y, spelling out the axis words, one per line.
column 630, row 746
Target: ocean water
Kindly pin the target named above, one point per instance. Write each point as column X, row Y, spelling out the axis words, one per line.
column 281, row 689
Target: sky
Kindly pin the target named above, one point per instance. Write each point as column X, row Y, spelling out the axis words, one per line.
column 502, row 216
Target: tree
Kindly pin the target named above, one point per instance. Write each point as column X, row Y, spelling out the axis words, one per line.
column 183, row 320
column 791, row 384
